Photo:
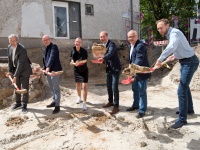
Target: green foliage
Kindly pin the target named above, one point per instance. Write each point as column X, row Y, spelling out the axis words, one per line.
column 154, row 10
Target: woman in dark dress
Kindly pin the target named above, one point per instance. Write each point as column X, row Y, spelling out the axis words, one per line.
column 78, row 58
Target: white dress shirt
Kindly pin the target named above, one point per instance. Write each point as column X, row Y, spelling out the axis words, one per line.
column 13, row 55
column 131, row 51
column 105, row 43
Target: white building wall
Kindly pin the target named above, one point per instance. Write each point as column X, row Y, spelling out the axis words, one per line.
column 107, row 16
column 26, row 18
column 34, row 18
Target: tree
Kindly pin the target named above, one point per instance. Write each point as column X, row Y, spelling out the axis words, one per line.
column 154, row 10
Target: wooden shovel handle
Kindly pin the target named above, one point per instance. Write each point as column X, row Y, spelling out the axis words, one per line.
column 14, row 83
column 154, row 68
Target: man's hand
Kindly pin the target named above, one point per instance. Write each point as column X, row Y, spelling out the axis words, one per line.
column 101, row 59
column 9, row 74
column 158, row 64
column 77, row 63
column 47, row 70
column 52, row 73
column 72, row 62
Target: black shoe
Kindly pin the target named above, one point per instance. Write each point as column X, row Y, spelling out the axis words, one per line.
column 51, row 105
column 56, row 110
column 131, row 108
column 24, row 108
column 189, row 113
column 16, row 106
column 140, row 115
column 178, row 124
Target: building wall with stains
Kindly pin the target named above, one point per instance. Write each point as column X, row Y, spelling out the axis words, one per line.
column 31, row 19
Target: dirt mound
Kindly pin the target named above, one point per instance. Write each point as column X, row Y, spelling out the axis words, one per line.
column 16, row 121
column 173, row 78
column 96, row 129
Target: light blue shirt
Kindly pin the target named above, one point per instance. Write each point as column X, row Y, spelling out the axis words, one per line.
column 178, row 45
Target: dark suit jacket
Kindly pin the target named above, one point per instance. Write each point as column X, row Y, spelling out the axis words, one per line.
column 139, row 57
column 22, row 63
column 51, row 58
column 111, row 58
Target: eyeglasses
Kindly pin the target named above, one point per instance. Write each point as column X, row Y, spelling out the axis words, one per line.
column 160, row 28
column 130, row 37
column 45, row 40
column 13, row 40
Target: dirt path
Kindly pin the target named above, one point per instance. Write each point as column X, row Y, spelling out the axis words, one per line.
column 96, row 129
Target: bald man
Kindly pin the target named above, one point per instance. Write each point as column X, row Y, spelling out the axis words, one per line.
column 51, row 61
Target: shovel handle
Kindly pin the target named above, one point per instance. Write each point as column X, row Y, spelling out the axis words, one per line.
column 164, row 62
column 56, row 72
column 14, row 83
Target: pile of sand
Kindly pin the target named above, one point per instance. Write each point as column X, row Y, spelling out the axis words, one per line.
column 96, row 129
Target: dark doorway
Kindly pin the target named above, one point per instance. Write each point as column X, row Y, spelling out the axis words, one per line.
column 74, row 20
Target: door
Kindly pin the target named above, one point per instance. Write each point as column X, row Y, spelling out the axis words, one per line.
column 74, row 20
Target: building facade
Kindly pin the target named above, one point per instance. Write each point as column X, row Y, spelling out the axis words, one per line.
column 65, row 20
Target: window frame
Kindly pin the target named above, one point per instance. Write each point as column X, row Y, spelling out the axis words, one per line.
column 92, row 9
column 60, row 4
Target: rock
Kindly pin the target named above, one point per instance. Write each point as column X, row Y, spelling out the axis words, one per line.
column 37, row 83
column 34, row 94
column 5, row 92
column 143, row 144
column 4, row 102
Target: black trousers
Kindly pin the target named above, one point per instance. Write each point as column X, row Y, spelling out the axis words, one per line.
column 22, row 83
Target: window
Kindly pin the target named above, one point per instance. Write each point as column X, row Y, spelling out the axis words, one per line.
column 60, row 20
column 89, row 9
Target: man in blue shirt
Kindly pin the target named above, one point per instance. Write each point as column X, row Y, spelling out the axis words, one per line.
column 180, row 49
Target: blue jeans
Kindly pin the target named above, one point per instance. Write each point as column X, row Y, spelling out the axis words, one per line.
column 188, row 67
column 140, row 95
column 112, row 80
column 54, row 85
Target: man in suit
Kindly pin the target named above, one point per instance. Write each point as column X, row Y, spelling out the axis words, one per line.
column 138, row 56
column 113, row 69
column 19, row 67
column 51, row 61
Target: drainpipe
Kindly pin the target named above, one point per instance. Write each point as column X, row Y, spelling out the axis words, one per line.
column 131, row 3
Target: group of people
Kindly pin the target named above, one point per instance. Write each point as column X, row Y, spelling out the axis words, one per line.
column 177, row 48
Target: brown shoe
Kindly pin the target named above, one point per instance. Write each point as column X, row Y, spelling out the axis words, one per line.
column 114, row 111
column 108, row 105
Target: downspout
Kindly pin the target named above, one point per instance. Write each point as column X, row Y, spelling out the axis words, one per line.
column 131, row 3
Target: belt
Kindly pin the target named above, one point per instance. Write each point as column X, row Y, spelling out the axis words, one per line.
column 187, row 58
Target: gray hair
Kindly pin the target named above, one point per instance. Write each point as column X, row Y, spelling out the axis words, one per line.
column 105, row 32
column 78, row 38
column 13, row 35
column 135, row 32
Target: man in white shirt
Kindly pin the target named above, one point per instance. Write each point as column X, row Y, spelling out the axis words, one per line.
column 19, row 67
